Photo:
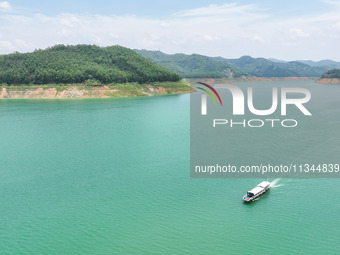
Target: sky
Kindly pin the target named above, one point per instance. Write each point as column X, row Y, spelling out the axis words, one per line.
column 286, row 30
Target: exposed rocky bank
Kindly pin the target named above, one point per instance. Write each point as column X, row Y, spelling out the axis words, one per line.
column 77, row 92
column 329, row 81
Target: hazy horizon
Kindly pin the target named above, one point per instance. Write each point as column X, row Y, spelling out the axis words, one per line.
column 269, row 58
column 289, row 31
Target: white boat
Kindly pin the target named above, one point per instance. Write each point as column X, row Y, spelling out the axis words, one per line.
column 256, row 192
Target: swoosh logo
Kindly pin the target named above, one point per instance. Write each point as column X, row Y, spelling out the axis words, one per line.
column 209, row 93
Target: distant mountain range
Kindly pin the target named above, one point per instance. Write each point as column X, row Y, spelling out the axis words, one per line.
column 199, row 66
column 262, row 67
column 327, row 62
column 193, row 66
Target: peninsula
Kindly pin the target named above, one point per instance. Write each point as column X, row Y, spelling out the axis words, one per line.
column 84, row 71
column 330, row 77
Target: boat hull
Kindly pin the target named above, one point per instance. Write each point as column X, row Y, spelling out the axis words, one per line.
column 256, row 192
column 250, row 199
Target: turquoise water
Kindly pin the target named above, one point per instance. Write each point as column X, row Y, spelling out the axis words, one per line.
column 111, row 176
column 315, row 140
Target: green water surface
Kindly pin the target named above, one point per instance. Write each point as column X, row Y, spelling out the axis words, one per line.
column 111, row 176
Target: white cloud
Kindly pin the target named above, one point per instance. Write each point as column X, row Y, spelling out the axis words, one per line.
column 221, row 10
column 70, row 21
column 337, row 25
column 6, row 44
column 114, row 36
column 334, row 3
column 257, row 38
column 228, row 30
column 211, row 38
column 5, row 6
column 298, row 32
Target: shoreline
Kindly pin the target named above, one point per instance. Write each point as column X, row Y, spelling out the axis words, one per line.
column 329, row 81
column 104, row 91
column 247, row 79
column 66, row 91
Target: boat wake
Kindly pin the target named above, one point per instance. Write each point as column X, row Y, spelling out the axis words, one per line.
column 275, row 183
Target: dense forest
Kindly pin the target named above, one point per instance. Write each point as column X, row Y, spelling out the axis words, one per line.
column 93, row 65
column 88, row 64
column 326, row 62
column 262, row 67
column 334, row 73
column 193, row 66
column 198, row 66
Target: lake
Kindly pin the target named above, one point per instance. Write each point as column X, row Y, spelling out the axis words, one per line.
column 111, row 176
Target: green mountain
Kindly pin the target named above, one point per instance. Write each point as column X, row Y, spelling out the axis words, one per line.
column 262, row 67
column 326, row 62
column 334, row 73
column 79, row 64
column 198, row 66
column 259, row 67
column 193, row 66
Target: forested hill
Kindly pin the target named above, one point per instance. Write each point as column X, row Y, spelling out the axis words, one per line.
column 262, row 67
column 79, row 64
column 334, row 73
column 193, row 66
column 197, row 66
